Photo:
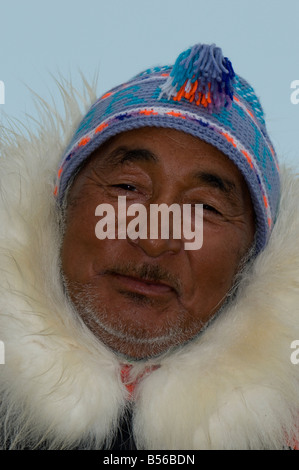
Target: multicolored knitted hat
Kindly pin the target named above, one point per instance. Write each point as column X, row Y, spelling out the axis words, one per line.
column 200, row 95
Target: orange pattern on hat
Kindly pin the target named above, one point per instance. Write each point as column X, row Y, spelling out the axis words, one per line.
column 83, row 141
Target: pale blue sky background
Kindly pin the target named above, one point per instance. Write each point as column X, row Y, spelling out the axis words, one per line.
column 119, row 38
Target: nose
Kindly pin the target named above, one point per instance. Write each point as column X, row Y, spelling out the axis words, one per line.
column 157, row 247
column 158, row 238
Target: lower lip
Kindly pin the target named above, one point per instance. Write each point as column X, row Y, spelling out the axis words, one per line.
column 132, row 284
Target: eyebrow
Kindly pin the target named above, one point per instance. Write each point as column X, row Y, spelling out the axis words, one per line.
column 225, row 185
column 122, row 155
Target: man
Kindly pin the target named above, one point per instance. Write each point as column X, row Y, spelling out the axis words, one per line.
column 129, row 341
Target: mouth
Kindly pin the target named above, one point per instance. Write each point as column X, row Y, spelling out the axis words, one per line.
column 142, row 286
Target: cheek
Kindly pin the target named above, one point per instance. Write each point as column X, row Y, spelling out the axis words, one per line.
column 80, row 245
column 217, row 262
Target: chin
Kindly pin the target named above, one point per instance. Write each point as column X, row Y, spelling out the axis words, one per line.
column 133, row 350
column 136, row 342
column 137, row 327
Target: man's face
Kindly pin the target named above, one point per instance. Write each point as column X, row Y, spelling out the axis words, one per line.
column 142, row 297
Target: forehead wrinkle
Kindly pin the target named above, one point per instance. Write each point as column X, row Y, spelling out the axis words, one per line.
column 124, row 154
column 219, row 182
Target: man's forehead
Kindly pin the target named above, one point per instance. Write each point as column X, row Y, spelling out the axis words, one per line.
column 153, row 145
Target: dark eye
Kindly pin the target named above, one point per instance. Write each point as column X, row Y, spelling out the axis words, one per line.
column 124, row 186
column 207, row 207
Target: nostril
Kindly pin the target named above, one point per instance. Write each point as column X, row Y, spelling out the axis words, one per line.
column 158, row 247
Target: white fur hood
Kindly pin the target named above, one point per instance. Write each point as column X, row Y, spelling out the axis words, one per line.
column 234, row 387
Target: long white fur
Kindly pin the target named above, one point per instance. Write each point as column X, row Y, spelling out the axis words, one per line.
column 234, row 387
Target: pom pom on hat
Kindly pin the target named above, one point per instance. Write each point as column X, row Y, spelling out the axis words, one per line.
column 203, row 76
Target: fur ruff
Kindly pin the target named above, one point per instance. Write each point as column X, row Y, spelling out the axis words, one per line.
column 234, row 387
